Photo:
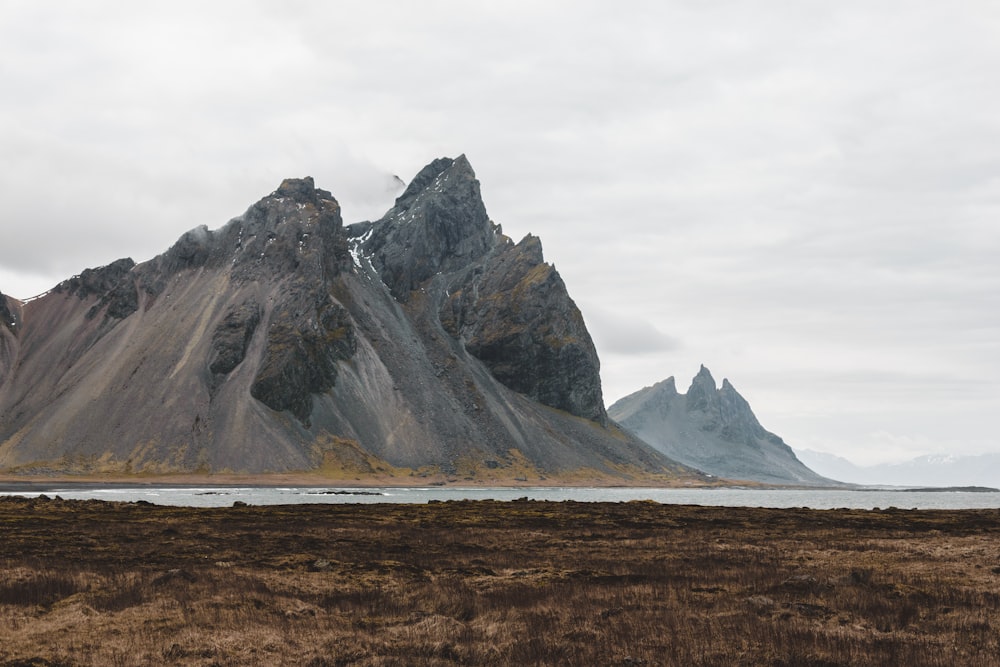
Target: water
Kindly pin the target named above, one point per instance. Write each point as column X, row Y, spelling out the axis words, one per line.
column 731, row 497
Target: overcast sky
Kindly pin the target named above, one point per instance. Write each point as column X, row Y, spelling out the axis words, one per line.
column 803, row 196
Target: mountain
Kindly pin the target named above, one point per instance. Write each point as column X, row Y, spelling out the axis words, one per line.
column 713, row 430
column 424, row 343
column 941, row 470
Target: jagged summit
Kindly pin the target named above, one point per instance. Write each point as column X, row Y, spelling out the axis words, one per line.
column 702, row 393
column 508, row 307
column 439, row 224
column 711, row 429
column 301, row 190
column 426, row 177
column 423, row 343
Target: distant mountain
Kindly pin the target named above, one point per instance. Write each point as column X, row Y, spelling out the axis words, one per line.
column 713, row 430
column 424, row 343
column 930, row 470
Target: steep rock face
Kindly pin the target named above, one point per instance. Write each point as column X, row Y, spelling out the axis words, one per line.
column 232, row 337
column 517, row 317
column 713, row 430
column 9, row 319
column 286, row 341
column 8, row 314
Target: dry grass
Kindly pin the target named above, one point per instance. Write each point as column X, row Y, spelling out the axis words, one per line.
column 489, row 583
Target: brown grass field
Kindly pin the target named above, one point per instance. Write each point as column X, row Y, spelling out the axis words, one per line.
column 492, row 583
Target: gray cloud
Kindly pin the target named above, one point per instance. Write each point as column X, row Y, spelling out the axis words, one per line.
column 624, row 334
column 796, row 191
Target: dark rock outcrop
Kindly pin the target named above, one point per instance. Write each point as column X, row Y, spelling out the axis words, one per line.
column 516, row 316
column 97, row 282
column 713, row 430
column 8, row 316
column 424, row 343
column 119, row 302
column 232, row 337
column 112, row 285
column 296, row 231
column 9, row 326
column 301, row 355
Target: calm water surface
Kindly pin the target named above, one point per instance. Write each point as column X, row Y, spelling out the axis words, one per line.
column 734, row 497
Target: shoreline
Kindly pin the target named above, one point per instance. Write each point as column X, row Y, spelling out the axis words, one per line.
column 306, row 480
column 16, row 483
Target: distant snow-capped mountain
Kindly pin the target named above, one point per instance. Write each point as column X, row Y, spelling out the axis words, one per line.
column 929, row 470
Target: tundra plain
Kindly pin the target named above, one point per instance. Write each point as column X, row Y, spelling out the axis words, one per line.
column 493, row 583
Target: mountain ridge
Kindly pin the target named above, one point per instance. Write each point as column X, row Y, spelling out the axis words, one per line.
column 425, row 342
column 713, row 430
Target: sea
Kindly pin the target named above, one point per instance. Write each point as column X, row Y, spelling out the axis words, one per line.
column 222, row 496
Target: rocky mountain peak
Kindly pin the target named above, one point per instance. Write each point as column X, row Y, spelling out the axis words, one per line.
column 295, row 200
column 297, row 230
column 424, row 178
column 722, row 409
column 296, row 187
column 714, row 430
column 304, row 191
column 439, row 224
column 702, row 394
column 666, row 387
column 500, row 300
column 530, row 248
